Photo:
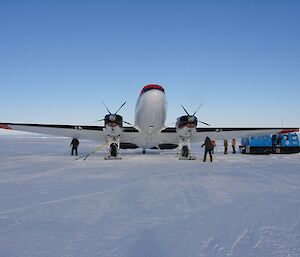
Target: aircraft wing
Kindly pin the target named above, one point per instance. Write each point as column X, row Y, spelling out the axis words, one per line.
column 170, row 135
column 131, row 137
column 77, row 131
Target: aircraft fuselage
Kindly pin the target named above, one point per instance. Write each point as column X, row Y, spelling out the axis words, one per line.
column 150, row 113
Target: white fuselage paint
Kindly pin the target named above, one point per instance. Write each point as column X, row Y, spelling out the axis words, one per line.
column 150, row 114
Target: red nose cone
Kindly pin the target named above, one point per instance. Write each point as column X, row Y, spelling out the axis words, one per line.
column 152, row 86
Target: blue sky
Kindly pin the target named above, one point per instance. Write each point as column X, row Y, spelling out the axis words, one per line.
column 59, row 59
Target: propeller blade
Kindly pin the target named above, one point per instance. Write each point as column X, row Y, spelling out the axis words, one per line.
column 197, row 109
column 204, row 123
column 185, row 110
column 99, row 120
column 127, row 123
column 120, row 107
column 106, row 107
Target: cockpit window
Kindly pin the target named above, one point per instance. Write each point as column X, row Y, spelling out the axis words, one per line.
column 149, row 87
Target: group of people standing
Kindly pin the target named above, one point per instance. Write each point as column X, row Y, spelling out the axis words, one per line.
column 233, row 144
column 210, row 144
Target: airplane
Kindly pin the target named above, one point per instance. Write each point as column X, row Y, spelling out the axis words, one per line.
column 149, row 130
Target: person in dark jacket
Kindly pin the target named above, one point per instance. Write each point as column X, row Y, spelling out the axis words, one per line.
column 208, row 148
column 74, row 144
column 225, row 146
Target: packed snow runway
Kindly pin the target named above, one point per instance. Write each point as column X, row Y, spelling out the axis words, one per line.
column 144, row 205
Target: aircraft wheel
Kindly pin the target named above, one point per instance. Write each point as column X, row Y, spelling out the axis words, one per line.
column 185, row 151
column 113, row 149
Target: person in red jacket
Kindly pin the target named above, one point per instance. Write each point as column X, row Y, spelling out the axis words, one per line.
column 214, row 144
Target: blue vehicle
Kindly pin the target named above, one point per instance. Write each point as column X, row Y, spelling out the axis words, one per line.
column 267, row 144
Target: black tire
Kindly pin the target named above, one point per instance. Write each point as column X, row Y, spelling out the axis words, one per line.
column 113, row 149
column 185, row 151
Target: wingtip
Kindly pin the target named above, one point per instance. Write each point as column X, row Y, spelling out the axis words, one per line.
column 285, row 131
column 5, row 126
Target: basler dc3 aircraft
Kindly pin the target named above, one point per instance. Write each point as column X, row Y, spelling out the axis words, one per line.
column 149, row 130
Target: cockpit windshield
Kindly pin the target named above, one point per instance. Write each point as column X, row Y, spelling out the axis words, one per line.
column 149, row 87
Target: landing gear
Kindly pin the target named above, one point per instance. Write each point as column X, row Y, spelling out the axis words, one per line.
column 113, row 148
column 185, row 149
column 144, row 151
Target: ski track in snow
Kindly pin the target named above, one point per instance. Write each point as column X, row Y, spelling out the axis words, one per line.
column 239, row 238
column 145, row 205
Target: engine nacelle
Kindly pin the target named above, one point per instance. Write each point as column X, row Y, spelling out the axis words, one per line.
column 113, row 124
column 186, row 121
column 113, row 120
column 186, row 125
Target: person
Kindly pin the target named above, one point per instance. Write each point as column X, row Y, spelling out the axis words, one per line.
column 208, row 148
column 233, row 143
column 279, row 139
column 74, row 144
column 214, row 144
column 225, row 146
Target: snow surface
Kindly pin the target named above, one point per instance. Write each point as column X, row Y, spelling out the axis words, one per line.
column 144, row 205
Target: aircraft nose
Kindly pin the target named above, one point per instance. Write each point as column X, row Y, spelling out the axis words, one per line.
column 156, row 96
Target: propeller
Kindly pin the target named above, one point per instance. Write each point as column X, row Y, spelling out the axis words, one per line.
column 113, row 115
column 193, row 116
column 116, row 111
column 120, row 107
column 127, row 123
